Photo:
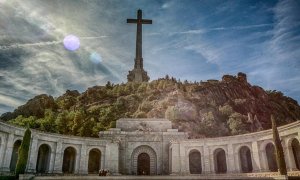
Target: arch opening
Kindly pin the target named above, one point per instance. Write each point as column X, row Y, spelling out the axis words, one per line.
column 271, row 157
column 43, row 159
column 14, row 155
column 143, row 164
column 245, row 159
column 195, row 162
column 220, row 161
column 94, row 163
column 140, row 156
column 296, row 152
column 69, row 160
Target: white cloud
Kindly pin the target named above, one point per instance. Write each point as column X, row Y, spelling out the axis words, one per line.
column 10, row 101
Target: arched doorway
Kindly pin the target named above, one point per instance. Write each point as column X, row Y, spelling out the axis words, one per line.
column 94, row 161
column 140, row 155
column 271, row 157
column 69, row 160
column 245, row 159
column 220, row 161
column 195, row 162
column 296, row 152
column 143, row 164
column 14, row 155
column 43, row 159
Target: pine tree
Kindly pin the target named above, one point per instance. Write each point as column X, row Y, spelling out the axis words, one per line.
column 23, row 153
column 77, row 121
column 278, row 148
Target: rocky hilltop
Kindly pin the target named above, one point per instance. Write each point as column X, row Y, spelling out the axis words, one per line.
column 203, row 109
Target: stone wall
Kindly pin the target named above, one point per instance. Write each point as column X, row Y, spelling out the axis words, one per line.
column 169, row 151
column 255, row 142
column 57, row 144
column 144, row 124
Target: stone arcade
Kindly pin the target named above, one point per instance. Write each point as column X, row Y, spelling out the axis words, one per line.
column 149, row 147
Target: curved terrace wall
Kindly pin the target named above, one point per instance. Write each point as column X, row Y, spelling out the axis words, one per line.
column 9, row 134
column 251, row 148
column 255, row 142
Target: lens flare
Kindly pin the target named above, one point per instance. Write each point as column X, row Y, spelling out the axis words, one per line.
column 71, row 42
column 95, row 58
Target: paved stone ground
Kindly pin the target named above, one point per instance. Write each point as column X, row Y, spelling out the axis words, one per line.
column 144, row 177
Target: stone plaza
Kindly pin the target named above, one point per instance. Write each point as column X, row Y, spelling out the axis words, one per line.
column 149, row 147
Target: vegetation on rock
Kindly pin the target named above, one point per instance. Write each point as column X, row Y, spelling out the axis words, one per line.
column 203, row 109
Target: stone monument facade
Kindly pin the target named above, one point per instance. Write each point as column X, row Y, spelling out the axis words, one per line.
column 143, row 137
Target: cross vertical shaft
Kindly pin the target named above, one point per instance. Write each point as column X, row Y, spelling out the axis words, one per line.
column 138, row 74
column 138, row 47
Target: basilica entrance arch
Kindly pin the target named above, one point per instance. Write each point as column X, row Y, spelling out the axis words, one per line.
column 143, row 161
column 143, row 164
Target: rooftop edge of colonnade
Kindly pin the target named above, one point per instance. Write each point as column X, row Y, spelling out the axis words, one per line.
column 281, row 129
column 9, row 128
column 260, row 135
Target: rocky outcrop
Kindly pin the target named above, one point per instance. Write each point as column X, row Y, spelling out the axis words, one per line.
column 34, row 107
column 210, row 108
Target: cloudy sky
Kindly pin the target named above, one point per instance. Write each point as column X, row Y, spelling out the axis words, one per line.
column 189, row 39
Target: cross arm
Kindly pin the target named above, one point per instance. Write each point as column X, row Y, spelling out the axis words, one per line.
column 146, row 21
column 132, row 21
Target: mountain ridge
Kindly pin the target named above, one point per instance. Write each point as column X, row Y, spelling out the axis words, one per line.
column 203, row 109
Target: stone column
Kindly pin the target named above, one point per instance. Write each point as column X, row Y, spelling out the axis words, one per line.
column 52, row 158
column 77, row 161
column 2, row 151
column 183, row 163
column 230, row 161
column 255, row 157
column 206, row 160
column 8, row 153
column 112, row 157
column 58, row 158
column 175, row 159
column 212, row 161
column 263, row 160
column 237, row 161
column 83, row 160
column 32, row 156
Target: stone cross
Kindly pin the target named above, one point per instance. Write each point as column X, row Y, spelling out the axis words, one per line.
column 138, row 49
column 138, row 74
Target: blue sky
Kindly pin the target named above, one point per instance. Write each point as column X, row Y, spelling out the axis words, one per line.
column 189, row 39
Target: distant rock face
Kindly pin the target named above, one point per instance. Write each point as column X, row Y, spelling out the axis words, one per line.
column 211, row 108
column 34, row 107
column 228, row 78
column 184, row 110
column 242, row 77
